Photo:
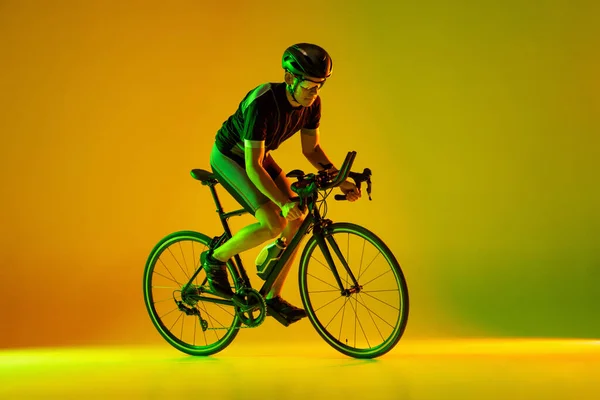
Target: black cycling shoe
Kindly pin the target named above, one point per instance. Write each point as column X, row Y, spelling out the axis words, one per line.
column 216, row 272
column 282, row 307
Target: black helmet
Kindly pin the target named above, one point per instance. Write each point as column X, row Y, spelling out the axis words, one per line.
column 305, row 59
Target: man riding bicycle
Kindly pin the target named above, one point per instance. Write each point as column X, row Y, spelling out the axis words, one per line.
column 241, row 159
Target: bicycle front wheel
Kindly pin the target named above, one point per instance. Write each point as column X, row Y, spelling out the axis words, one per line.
column 365, row 320
column 198, row 327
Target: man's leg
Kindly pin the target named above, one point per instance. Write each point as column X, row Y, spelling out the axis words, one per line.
column 269, row 226
column 235, row 180
column 289, row 232
column 284, row 184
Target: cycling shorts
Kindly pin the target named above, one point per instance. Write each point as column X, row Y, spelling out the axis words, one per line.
column 231, row 173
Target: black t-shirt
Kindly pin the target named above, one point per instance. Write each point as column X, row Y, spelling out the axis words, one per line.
column 265, row 114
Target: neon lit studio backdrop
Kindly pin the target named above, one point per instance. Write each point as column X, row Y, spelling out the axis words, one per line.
column 479, row 124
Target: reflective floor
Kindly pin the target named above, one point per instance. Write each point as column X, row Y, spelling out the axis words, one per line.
column 436, row 369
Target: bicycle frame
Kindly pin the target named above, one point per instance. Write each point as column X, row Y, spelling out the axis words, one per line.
column 250, row 306
column 319, row 231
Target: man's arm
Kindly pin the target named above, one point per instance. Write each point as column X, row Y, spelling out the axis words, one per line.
column 312, row 149
column 254, row 154
column 315, row 155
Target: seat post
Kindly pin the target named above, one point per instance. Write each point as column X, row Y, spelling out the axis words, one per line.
column 213, row 192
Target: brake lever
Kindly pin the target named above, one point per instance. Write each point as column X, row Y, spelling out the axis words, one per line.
column 358, row 178
column 297, row 173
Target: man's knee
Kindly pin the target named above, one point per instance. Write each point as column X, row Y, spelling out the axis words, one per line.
column 270, row 218
column 277, row 228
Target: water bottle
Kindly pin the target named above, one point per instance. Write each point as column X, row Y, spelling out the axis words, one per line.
column 268, row 257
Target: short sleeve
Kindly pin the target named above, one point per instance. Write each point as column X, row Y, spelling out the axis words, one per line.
column 255, row 122
column 314, row 116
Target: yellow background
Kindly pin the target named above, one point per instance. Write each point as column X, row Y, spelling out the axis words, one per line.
column 479, row 121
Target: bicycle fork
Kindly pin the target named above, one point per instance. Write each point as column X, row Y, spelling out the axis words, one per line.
column 321, row 236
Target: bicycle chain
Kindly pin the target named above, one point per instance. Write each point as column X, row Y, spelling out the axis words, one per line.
column 194, row 311
column 237, row 327
column 241, row 326
column 185, row 308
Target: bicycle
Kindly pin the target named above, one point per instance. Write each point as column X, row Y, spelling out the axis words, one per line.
column 372, row 295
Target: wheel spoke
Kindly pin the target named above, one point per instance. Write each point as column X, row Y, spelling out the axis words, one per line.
column 203, row 331
column 184, row 260
column 324, row 291
column 169, row 271
column 180, row 267
column 371, row 263
column 197, row 262
column 164, row 315
column 342, row 323
column 178, row 317
column 386, row 272
column 362, row 255
column 347, row 259
column 376, row 326
column 327, row 283
column 326, row 266
column 195, row 325
column 338, row 311
column 224, row 309
column 374, row 323
column 384, row 302
column 182, row 324
column 359, row 323
column 347, row 254
column 355, row 320
column 325, row 305
column 211, row 317
column 162, row 301
column 375, row 314
column 172, row 254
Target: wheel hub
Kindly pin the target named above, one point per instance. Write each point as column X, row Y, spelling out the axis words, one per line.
column 190, row 294
column 350, row 291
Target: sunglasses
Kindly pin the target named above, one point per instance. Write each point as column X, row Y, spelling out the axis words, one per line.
column 308, row 85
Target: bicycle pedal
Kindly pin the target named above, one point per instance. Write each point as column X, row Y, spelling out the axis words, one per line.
column 282, row 319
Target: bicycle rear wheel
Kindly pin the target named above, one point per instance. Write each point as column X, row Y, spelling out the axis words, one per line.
column 365, row 321
column 199, row 328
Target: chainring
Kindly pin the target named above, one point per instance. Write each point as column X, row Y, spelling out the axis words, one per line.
column 253, row 302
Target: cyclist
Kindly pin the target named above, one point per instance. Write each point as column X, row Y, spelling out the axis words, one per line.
column 241, row 159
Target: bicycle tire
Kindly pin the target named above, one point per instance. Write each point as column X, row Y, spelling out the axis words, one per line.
column 160, row 248
column 319, row 318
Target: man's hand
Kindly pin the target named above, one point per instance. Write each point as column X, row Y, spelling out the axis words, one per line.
column 291, row 211
column 350, row 190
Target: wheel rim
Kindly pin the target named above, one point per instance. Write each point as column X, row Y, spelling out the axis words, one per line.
column 169, row 268
column 367, row 323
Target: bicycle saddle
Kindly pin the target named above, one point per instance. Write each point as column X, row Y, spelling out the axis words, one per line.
column 204, row 176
